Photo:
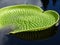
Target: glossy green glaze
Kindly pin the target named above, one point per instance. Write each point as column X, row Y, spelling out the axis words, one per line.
column 27, row 18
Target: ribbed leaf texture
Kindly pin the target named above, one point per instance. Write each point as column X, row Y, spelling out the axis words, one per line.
column 27, row 18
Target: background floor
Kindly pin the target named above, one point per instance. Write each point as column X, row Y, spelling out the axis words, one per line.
column 10, row 40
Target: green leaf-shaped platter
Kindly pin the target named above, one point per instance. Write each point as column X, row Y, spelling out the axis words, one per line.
column 27, row 18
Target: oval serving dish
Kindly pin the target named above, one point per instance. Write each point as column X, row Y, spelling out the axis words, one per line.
column 30, row 21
